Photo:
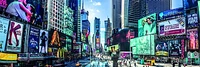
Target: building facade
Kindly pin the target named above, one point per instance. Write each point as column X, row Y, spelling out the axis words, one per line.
column 116, row 13
column 56, row 15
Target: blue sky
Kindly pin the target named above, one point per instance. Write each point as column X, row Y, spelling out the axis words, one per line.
column 177, row 4
column 100, row 9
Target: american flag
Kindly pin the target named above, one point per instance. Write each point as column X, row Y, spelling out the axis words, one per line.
column 88, row 31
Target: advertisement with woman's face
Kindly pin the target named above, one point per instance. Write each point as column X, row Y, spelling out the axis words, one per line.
column 14, row 40
column 192, row 35
column 3, row 32
column 29, row 10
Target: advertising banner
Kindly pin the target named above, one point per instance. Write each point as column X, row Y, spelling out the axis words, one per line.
column 147, row 25
column 174, row 47
column 14, row 40
column 32, row 11
column 143, row 45
column 54, row 40
column 162, row 49
column 172, row 27
column 3, row 32
column 170, row 14
column 8, row 56
column 43, row 41
column 192, row 20
column 33, row 43
column 190, row 3
column 192, row 35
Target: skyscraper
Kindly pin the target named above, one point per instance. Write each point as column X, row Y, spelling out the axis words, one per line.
column 56, row 14
column 140, row 8
column 116, row 13
column 97, row 33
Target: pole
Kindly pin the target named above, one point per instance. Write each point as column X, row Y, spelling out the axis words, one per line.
column 129, row 48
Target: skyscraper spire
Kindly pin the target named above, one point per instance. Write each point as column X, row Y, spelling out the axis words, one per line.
column 82, row 4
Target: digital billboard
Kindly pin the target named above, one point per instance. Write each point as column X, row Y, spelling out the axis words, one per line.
column 190, row 3
column 176, row 47
column 147, row 25
column 192, row 35
column 168, row 14
column 43, row 42
column 33, row 42
column 3, row 32
column 14, row 40
column 54, row 38
column 192, row 20
column 162, row 49
column 144, row 45
column 172, row 27
column 29, row 10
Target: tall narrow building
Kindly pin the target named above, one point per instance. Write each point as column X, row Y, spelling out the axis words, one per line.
column 116, row 13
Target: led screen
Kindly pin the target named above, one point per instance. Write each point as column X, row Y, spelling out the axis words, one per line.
column 29, row 10
column 33, row 42
column 192, row 35
column 192, row 20
column 176, row 47
column 3, row 32
column 190, row 3
column 172, row 27
column 144, row 45
column 14, row 40
column 162, row 49
column 147, row 25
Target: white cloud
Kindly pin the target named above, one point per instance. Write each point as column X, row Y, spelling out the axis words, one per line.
column 90, row 0
column 98, row 11
column 97, row 3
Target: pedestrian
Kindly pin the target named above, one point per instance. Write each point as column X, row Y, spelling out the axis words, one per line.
column 135, row 64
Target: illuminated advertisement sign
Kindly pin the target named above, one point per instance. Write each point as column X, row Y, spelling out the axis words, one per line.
column 144, row 45
column 3, row 32
column 43, row 41
column 33, row 42
column 176, row 47
column 147, row 25
column 170, row 13
column 8, row 56
column 14, row 40
column 192, row 20
column 172, row 27
column 29, row 10
column 162, row 49
column 192, row 35
column 124, row 54
column 190, row 3
column 54, row 38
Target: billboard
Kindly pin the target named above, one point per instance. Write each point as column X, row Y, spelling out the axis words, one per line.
column 43, row 41
column 192, row 20
column 3, row 32
column 8, row 56
column 33, row 41
column 175, row 47
column 162, row 49
column 54, row 38
column 14, row 40
column 29, row 10
column 170, row 14
column 147, row 25
column 190, row 3
column 172, row 27
column 192, row 35
column 144, row 45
